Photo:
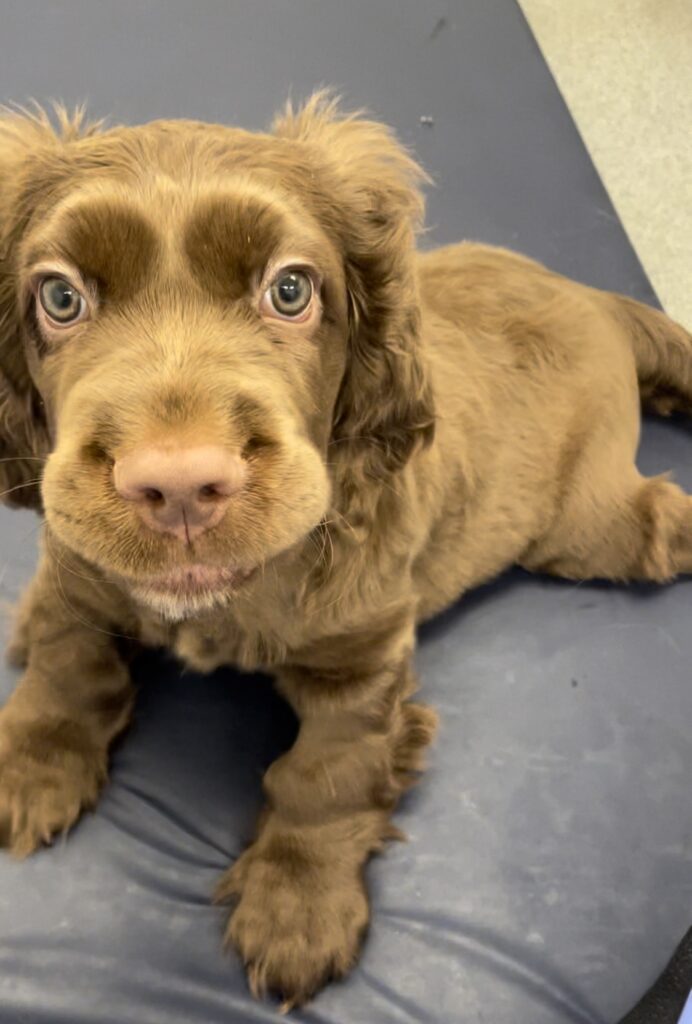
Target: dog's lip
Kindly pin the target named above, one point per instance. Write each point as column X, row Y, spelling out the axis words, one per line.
column 196, row 579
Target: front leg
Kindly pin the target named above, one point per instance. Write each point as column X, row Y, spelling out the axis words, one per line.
column 74, row 697
column 302, row 907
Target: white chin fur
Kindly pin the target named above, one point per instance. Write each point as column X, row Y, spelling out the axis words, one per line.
column 177, row 607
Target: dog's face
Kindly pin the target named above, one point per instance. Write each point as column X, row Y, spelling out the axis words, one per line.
column 200, row 321
column 207, row 333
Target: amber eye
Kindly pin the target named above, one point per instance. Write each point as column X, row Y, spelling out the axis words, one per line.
column 60, row 300
column 290, row 293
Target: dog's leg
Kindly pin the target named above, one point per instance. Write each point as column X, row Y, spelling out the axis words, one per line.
column 302, row 905
column 628, row 528
column 73, row 698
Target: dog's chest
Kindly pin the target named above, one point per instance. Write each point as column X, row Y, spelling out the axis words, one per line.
column 208, row 643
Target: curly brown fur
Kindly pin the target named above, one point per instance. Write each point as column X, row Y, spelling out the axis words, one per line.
column 436, row 418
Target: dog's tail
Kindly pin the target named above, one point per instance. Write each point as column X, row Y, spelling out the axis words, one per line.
column 662, row 354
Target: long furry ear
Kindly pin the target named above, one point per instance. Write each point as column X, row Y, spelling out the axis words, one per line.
column 372, row 199
column 31, row 164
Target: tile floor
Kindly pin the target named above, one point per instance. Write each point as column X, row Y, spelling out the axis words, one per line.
column 625, row 70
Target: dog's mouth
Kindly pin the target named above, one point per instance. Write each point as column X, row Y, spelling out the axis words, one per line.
column 194, row 579
column 190, row 589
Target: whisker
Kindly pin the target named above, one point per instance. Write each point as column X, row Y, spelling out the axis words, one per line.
column 56, row 554
column 331, row 551
column 17, row 487
column 24, row 458
column 345, row 521
column 81, row 619
column 320, row 550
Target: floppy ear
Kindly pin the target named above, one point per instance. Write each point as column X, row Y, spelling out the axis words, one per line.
column 373, row 200
column 32, row 164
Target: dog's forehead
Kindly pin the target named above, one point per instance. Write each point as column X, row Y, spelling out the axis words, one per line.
column 219, row 212
column 222, row 239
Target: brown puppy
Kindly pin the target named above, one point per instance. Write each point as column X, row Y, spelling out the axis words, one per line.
column 263, row 430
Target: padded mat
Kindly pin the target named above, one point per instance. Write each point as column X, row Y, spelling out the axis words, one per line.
column 548, row 874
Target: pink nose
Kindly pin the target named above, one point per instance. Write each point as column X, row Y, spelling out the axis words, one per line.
column 182, row 491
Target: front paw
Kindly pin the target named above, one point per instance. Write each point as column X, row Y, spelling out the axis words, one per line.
column 297, row 923
column 49, row 772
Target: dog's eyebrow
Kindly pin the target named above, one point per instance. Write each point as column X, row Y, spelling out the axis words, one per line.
column 109, row 241
column 228, row 242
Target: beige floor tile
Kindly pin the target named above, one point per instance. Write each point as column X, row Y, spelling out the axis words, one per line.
column 625, row 70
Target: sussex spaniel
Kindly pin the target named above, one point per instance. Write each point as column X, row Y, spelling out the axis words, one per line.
column 262, row 429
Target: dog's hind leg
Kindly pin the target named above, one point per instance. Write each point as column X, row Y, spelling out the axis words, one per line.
column 621, row 527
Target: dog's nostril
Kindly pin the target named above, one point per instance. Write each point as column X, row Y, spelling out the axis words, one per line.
column 153, row 495
column 180, row 491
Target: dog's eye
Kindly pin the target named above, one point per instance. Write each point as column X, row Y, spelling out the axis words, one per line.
column 61, row 301
column 289, row 295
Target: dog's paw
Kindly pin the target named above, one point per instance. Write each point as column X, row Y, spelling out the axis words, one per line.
column 49, row 773
column 296, row 925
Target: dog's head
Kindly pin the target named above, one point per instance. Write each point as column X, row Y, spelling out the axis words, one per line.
column 208, row 337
